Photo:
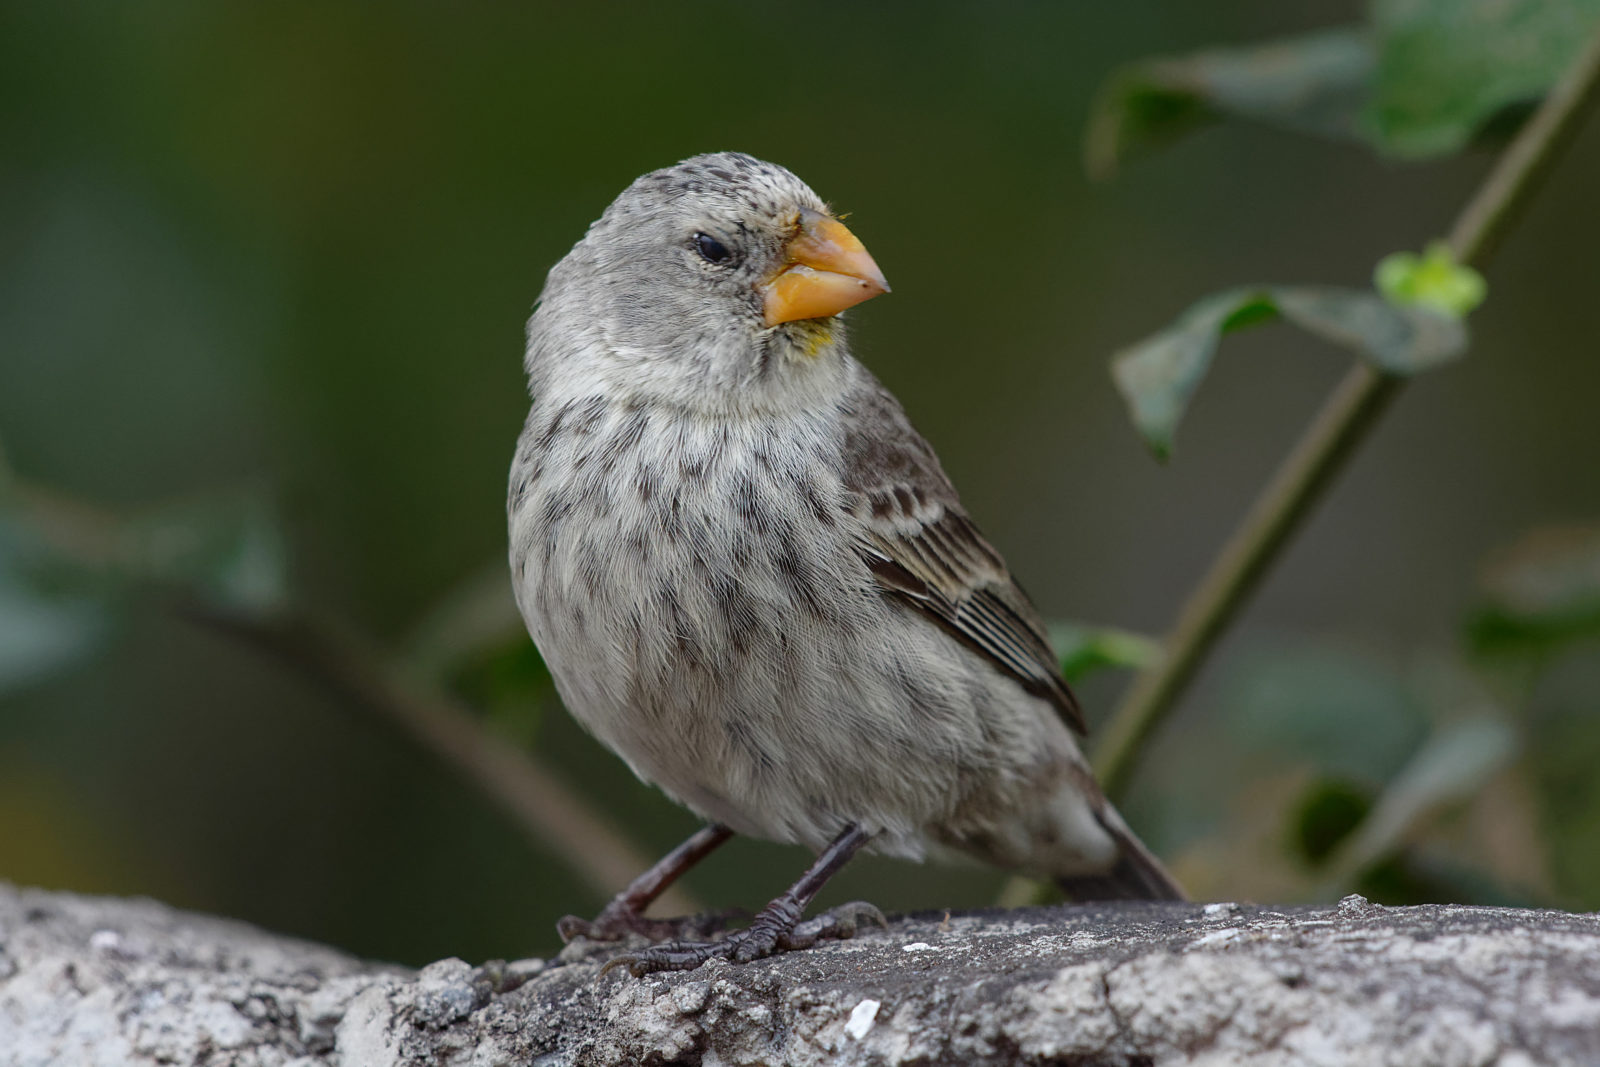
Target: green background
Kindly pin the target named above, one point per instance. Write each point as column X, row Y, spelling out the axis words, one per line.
column 293, row 246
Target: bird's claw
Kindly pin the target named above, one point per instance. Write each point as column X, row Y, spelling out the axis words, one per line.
column 615, row 923
column 757, row 941
column 839, row 924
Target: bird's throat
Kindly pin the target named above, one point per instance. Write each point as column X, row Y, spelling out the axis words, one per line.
column 813, row 338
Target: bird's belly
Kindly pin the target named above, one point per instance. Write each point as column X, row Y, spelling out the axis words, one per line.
column 743, row 659
column 700, row 671
column 682, row 612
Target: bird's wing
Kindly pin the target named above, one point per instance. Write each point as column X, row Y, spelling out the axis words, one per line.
column 924, row 550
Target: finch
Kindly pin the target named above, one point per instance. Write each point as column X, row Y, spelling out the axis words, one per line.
column 751, row 579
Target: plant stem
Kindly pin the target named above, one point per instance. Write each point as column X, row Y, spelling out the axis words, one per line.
column 1343, row 423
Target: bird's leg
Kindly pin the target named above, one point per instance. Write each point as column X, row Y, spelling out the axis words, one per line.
column 777, row 929
column 625, row 913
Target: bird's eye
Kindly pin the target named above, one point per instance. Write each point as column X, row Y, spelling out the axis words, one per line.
column 711, row 250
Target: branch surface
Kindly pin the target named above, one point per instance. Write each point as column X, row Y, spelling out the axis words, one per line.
column 101, row 980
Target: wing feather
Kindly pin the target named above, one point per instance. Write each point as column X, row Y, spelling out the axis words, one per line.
column 925, row 551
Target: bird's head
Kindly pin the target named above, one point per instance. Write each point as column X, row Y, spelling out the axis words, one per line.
column 715, row 281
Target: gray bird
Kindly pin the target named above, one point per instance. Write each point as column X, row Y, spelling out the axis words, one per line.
column 751, row 579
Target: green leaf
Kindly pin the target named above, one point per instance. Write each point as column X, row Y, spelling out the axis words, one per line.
column 1403, row 340
column 1085, row 649
column 1316, row 84
column 1446, row 67
column 1432, row 280
column 1158, row 376
column 1542, row 593
column 1420, row 80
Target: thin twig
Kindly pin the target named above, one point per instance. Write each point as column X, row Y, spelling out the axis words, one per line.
column 1342, row 424
column 545, row 809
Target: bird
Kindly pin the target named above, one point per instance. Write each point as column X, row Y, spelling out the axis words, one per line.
column 751, row 579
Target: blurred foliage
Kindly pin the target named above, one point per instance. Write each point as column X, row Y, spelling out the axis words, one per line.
column 511, row 684
column 1542, row 594
column 262, row 274
column 1425, row 75
column 224, row 549
column 1566, row 748
column 1438, row 783
column 1458, row 757
column 1445, row 67
column 1352, row 718
column 1418, row 79
column 1537, row 629
column 1361, row 777
column 1085, row 649
column 1327, row 813
column 1313, row 84
column 46, row 624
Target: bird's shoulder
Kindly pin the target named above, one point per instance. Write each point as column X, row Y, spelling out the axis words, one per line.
column 925, row 551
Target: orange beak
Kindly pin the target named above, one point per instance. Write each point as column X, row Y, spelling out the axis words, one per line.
column 828, row 270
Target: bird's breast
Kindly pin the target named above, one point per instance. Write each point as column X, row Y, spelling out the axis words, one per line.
column 661, row 558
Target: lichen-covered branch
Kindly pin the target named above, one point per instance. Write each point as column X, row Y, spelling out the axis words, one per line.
column 88, row 980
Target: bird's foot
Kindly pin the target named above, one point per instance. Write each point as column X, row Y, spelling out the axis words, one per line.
column 775, row 930
column 617, row 921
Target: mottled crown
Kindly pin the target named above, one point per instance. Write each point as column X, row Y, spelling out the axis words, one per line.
column 742, row 182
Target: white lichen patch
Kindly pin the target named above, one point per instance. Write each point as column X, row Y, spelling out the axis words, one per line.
column 862, row 1018
column 1217, row 937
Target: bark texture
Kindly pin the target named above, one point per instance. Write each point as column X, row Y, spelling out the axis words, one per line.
column 92, row 981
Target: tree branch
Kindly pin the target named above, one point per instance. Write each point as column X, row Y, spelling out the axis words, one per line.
column 100, row 980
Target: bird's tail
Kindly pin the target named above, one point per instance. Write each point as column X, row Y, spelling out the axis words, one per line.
column 1137, row 875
